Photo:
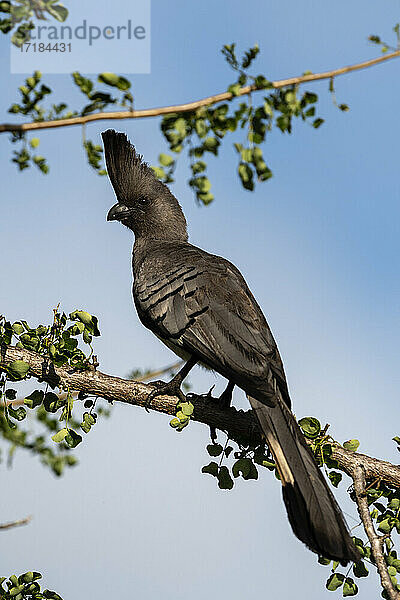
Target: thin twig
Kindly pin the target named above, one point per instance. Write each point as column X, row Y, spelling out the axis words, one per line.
column 191, row 106
column 153, row 374
column 376, row 541
column 18, row 523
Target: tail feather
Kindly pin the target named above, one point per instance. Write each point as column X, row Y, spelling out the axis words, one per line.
column 314, row 515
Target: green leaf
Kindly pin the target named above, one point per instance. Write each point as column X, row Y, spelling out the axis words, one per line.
column 82, row 315
column 234, row 89
column 211, row 144
column 225, row 481
column 375, row 39
column 310, row 426
column 394, row 504
column 335, row 477
column 60, row 435
column 72, row 438
column 19, row 414
column 182, row 417
column 214, row 449
column 15, row 591
column 205, row 197
column 198, row 167
column 360, row 570
column 242, row 467
column 201, row 127
column 187, row 408
column 317, row 123
column 396, row 564
column 57, row 11
column 11, row 394
column 17, row 328
column 249, row 56
column 29, row 577
column 203, row 184
column 211, row 469
column 334, row 582
column 386, row 525
column 49, row 595
column 34, row 142
column 52, row 402
column 268, row 464
column 90, row 321
column 114, row 80
column 246, row 176
column 351, row 445
column 166, row 160
column 262, row 83
column 349, row 588
column 18, row 369
column 87, row 337
column 85, row 85
column 34, row 399
column 159, row 172
column 87, row 422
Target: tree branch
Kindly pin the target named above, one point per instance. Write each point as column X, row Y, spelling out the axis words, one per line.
column 18, row 523
column 376, row 541
column 191, row 106
column 241, row 426
column 152, row 374
column 146, row 377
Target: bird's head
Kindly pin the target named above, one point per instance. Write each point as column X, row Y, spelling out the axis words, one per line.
column 145, row 204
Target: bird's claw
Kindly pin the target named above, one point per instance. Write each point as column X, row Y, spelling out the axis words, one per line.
column 172, row 388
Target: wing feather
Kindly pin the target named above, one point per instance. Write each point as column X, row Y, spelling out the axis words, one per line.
column 203, row 304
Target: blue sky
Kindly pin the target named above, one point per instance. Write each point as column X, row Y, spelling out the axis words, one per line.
column 318, row 245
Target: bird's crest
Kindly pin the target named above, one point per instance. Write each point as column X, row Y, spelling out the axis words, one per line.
column 129, row 174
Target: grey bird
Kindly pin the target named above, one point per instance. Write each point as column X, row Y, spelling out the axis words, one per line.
column 199, row 305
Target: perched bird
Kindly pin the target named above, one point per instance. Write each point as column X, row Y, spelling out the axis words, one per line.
column 199, row 305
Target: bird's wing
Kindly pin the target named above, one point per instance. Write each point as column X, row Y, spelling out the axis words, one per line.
column 201, row 303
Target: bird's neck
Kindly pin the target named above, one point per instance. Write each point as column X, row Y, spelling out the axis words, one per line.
column 145, row 247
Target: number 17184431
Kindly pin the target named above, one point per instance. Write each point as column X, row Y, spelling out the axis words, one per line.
column 41, row 47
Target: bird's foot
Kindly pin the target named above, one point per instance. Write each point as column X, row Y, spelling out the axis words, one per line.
column 162, row 388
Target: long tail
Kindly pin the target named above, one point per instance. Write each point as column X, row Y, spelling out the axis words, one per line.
column 314, row 515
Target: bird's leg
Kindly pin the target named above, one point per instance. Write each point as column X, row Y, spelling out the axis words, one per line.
column 173, row 387
column 225, row 399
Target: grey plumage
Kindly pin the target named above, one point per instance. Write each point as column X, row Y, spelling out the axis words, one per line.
column 200, row 306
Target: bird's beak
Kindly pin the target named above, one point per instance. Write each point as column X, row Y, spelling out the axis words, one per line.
column 118, row 212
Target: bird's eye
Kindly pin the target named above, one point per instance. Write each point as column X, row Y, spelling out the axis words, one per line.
column 142, row 200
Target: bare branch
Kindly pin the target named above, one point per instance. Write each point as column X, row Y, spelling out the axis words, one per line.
column 376, row 541
column 373, row 467
column 191, row 106
column 146, row 377
column 152, row 374
column 12, row 524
